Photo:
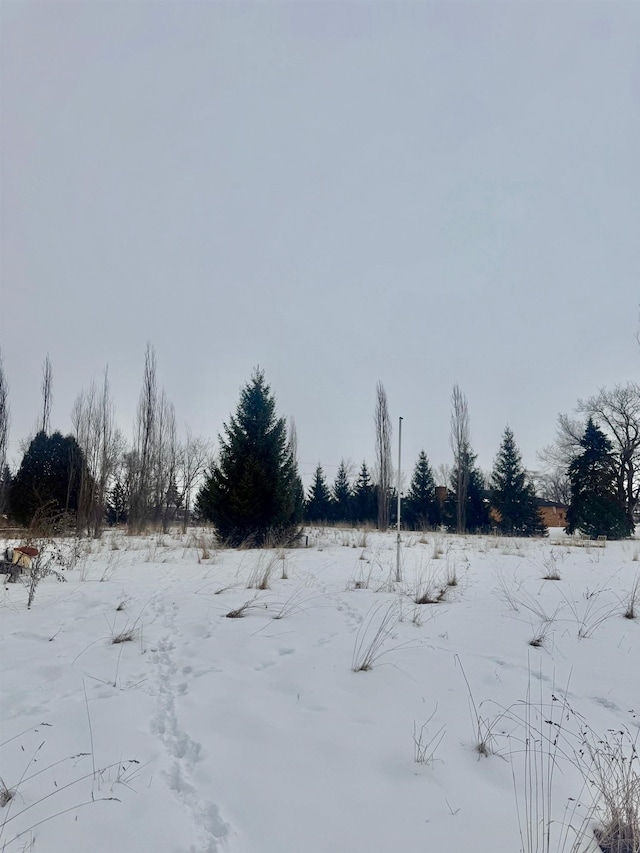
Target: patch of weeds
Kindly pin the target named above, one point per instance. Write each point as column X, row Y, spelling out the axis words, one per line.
column 282, row 556
column 42, row 565
column 426, row 594
column 452, row 574
column 633, row 600
column 361, row 578
column 590, row 616
column 49, row 787
column 361, row 538
column 295, row 601
column 506, row 594
column 437, row 546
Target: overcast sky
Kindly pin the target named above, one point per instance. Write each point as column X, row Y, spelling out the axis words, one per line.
column 422, row 193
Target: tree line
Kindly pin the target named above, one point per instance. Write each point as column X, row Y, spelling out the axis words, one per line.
column 252, row 490
column 94, row 476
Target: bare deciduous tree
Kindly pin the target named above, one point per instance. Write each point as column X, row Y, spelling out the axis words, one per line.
column 461, row 447
column 552, row 483
column 552, row 480
column 144, row 445
column 4, row 432
column 384, row 467
column 442, row 474
column 153, row 464
column 47, row 395
column 193, row 459
column 165, row 498
column 93, row 422
column 293, row 440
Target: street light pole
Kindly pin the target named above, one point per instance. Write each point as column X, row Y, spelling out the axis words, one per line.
column 398, row 573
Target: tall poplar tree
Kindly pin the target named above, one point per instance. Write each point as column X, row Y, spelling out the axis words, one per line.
column 476, row 505
column 384, row 467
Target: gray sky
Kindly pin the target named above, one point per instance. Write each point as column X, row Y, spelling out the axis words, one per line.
column 420, row 193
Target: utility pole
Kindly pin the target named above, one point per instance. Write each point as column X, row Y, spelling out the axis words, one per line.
column 398, row 572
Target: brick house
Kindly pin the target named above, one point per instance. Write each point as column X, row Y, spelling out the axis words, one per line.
column 554, row 513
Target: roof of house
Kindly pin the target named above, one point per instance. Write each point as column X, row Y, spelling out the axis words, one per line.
column 557, row 504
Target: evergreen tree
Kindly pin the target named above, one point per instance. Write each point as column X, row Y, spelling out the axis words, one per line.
column 512, row 496
column 254, row 493
column 318, row 504
column 420, row 509
column 342, row 494
column 595, row 508
column 118, row 504
column 49, row 477
column 476, row 503
column 364, row 498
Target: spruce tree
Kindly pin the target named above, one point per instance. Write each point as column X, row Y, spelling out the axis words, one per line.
column 254, row 493
column 512, row 496
column 318, row 504
column 342, row 494
column 49, row 477
column 420, row 508
column 364, row 498
column 595, row 508
column 117, row 504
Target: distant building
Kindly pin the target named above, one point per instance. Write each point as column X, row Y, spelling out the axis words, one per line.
column 553, row 513
column 442, row 493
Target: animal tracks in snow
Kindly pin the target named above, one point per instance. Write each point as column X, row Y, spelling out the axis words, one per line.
column 183, row 752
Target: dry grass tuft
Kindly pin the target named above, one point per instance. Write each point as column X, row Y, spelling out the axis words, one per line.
column 240, row 612
column 425, row 745
column 539, row 639
column 633, row 600
column 260, row 577
column 371, row 638
column 128, row 635
column 6, row 793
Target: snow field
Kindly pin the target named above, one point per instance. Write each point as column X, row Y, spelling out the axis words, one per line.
column 203, row 733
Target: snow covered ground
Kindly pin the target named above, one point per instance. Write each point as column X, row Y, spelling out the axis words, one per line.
column 203, row 733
